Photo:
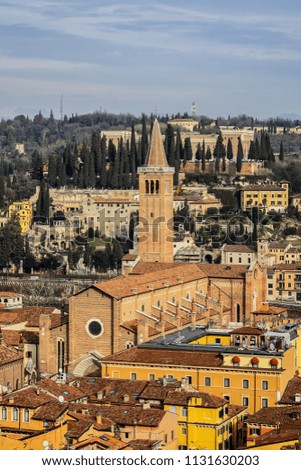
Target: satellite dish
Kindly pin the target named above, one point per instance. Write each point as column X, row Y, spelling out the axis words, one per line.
column 272, row 346
column 45, row 444
column 61, row 399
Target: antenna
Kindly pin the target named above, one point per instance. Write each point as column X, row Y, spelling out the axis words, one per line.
column 193, row 108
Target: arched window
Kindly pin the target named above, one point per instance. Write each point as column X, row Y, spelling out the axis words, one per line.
column 142, row 308
column 129, row 344
column 147, row 187
column 17, row 384
column 152, row 187
column 253, row 341
column 26, row 415
column 15, row 414
column 157, row 186
column 60, row 354
column 159, row 303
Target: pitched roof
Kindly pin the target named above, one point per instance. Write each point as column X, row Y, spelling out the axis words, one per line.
column 8, row 354
column 165, row 356
column 69, row 392
column 247, row 330
column 28, row 397
column 238, row 249
column 293, row 387
column 156, row 156
column 263, row 187
column 226, row 271
column 275, row 416
column 50, row 411
column 125, row 286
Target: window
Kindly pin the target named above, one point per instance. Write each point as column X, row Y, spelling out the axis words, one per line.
column 270, row 286
column 245, row 401
column 189, row 379
column 184, row 430
column 245, row 383
column 15, row 414
column 133, row 376
column 264, row 403
column 207, row 381
column 94, row 328
column 217, row 341
column 227, row 383
column 4, row 412
column 184, row 412
column 151, row 376
column 227, row 398
column 26, row 415
column 142, row 308
column 254, row 431
column 265, row 385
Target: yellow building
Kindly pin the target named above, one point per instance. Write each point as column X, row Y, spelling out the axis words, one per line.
column 247, row 366
column 267, row 197
column 206, row 421
column 24, row 211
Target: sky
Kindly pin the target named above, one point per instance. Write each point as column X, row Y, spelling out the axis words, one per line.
column 136, row 56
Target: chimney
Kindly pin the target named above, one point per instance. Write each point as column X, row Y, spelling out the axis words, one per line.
column 99, row 395
column 126, row 398
column 98, row 418
column 146, row 405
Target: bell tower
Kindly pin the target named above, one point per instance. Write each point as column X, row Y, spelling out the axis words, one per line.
column 155, row 242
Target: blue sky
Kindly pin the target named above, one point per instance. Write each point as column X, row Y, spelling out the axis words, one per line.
column 230, row 57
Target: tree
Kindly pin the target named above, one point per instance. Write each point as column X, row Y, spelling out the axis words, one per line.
column 37, row 166
column 11, row 242
column 240, row 156
column 252, row 151
column 2, row 192
column 219, row 152
column 187, row 152
column 229, row 150
column 281, row 152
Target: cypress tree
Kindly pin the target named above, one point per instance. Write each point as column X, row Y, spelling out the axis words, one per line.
column 240, row 156
column 257, row 149
column 252, row 151
column 229, row 150
column 144, row 141
column 2, row 192
column 208, row 154
column 95, row 154
column 281, row 152
column 203, row 157
column 187, row 156
column 103, row 166
column 52, row 170
column 133, row 158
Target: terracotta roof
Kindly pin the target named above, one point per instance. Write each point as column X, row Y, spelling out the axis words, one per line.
column 77, row 428
column 13, row 337
column 293, row 387
column 50, row 411
column 273, row 437
column 28, row 397
column 143, row 267
column 272, row 310
column 126, row 286
column 182, row 397
column 30, row 315
column 142, row 444
column 226, row 271
column 263, row 187
column 103, row 442
column 9, row 294
column 165, row 356
column 278, row 245
column 275, row 416
column 132, row 415
column 8, row 354
column 238, row 249
column 129, row 257
column 156, row 156
column 247, row 330
column 69, row 392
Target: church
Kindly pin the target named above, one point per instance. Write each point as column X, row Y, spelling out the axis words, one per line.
column 157, row 295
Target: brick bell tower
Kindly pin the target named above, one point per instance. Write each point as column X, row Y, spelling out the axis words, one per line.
column 155, row 240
